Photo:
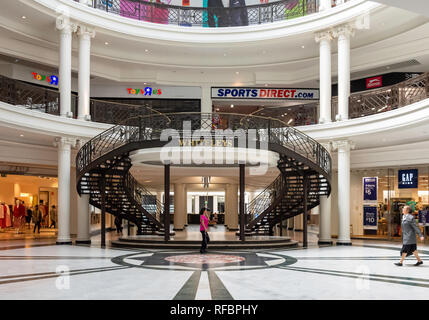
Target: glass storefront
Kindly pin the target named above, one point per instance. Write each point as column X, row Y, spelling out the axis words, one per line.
column 396, row 187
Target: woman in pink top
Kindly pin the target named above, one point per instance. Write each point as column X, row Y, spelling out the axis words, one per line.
column 204, row 223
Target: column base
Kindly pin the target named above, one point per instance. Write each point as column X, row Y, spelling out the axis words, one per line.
column 83, row 242
column 325, row 242
column 299, row 230
column 343, row 243
column 178, row 229
column 233, row 229
column 290, row 228
column 60, row 243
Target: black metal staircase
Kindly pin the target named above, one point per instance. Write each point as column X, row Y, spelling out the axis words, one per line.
column 103, row 166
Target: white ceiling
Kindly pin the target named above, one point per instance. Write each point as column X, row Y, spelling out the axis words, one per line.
column 395, row 35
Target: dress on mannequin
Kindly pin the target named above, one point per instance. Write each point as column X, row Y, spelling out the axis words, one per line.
column 8, row 217
column 2, row 217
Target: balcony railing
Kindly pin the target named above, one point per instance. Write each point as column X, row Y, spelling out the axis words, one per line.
column 234, row 15
column 30, row 96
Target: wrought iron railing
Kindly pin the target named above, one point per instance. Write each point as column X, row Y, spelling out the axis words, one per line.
column 213, row 17
column 389, row 98
column 361, row 104
column 142, row 196
column 30, row 96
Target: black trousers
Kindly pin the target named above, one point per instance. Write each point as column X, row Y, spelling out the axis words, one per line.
column 37, row 225
column 52, row 224
column 203, row 241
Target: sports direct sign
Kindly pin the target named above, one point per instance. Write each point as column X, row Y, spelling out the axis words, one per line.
column 265, row 93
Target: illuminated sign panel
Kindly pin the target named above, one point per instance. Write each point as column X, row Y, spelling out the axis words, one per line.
column 53, row 80
column 148, row 91
column 265, row 93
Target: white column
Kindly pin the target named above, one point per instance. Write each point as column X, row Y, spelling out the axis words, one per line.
column 197, row 204
column 85, row 34
column 83, row 217
column 179, row 206
column 215, row 208
column 64, row 162
column 324, row 39
column 343, row 148
column 343, row 33
column 325, row 212
column 206, row 107
column 64, row 82
column 324, row 5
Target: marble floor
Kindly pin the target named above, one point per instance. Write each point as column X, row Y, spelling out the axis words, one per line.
column 38, row 269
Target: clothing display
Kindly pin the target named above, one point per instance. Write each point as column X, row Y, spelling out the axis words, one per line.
column 238, row 13
column 5, row 218
column 216, row 14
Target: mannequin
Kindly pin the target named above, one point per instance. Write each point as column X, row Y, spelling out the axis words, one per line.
column 2, row 217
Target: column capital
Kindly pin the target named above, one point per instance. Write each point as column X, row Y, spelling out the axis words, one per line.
column 85, row 31
column 323, row 35
column 81, row 142
column 345, row 30
column 63, row 142
column 327, row 145
column 343, row 145
column 64, row 24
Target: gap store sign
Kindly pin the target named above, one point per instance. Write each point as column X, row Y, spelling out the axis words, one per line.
column 408, row 179
column 265, row 93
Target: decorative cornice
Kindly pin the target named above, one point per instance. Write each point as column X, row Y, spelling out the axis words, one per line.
column 85, row 31
column 323, row 35
column 64, row 142
column 343, row 145
column 345, row 30
column 64, row 24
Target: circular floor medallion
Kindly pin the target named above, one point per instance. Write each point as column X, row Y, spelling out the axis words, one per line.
column 208, row 259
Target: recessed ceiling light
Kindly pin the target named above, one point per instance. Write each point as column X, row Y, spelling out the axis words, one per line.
column 21, row 135
column 217, row 109
column 146, row 50
column 106, row 43
column 232, row 106
column 224, row 54
column 266, row 85
column 237, row 72
column 303, row 47
column 24, row 17
column 144, row 82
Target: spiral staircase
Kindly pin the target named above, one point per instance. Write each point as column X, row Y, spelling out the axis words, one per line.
column 103, row 166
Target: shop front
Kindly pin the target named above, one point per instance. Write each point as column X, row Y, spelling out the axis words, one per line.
column 378, row 196
column 20, row 197
column 295, row 106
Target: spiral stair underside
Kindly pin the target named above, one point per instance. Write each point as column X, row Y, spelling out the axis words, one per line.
column 103, row 164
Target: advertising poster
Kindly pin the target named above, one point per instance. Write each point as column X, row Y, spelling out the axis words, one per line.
column 408, row 179
column 424, row 217
column 370, row 217
column 370, row 188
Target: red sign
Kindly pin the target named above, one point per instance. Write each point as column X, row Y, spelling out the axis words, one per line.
column 374, row 82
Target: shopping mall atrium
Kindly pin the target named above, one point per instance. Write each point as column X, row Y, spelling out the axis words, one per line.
column 293, row 133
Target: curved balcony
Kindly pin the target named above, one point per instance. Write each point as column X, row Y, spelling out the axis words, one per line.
column 361, row 104
column 212, row 17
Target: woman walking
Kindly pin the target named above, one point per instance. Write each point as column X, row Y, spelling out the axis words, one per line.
column 204, row 223
column 409, row 242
